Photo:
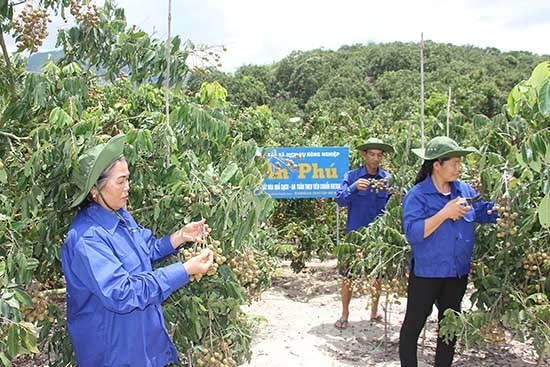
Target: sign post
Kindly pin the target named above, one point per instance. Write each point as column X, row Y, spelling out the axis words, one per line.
column 306, row 172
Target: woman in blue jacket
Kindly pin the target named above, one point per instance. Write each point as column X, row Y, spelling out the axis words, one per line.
column 438, row 218
column 114, row 313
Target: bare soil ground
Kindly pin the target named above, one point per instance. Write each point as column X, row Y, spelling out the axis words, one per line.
column 295, row 327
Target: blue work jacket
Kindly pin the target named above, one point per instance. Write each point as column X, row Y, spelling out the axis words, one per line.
column 447, row 252
column 114, row 313
column 363, row 205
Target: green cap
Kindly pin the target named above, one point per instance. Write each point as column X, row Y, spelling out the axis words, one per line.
column 442, row 147
column 93, row 162
column 375, row 143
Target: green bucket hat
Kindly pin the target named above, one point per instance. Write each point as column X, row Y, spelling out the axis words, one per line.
column 375, row 143
column 442, row 147
column 93, row 162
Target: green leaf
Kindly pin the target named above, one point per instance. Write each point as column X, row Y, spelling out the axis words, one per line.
column 544, row 211
column 138, row 35
column 23, row 297
column 198, row 328
column 5, row 360
column 13, row 340
column 156, row 212
column 29, row 341
column 4, row 309
column 3, row 8
column 228, row 172
column 13, row 303
column 3, row 176
column 544, row 99
column 540, row 74
column 59, row 118
column 149, row 56
column 176, row 42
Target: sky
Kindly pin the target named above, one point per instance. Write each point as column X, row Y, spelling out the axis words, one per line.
column 263, row 32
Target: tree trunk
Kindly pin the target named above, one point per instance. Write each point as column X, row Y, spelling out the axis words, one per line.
column 11, row 86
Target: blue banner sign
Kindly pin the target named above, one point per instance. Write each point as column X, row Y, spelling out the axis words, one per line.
column 305, row 172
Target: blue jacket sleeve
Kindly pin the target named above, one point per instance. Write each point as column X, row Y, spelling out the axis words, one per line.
column 95, row 264
column 414, row 217
column 159, row 248
column 345, row 194
column 481, row 208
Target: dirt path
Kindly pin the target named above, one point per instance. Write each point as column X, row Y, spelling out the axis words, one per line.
column 295, row 328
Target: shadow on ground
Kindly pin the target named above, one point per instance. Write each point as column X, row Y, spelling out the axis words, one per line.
column 367, row 342
column 314, row 281
column 361, row 342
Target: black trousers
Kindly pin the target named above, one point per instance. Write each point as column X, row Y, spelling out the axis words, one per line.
column 421, row 296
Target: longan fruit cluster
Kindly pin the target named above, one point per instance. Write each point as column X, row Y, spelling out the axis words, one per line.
column 203, row 198
column 209, row 56
column 40, row 301
column 359, row 255
column 535, row 264
column 382, row 184
column 217, row 189
column 32, row 26
column 246, row 269
column 95, row 95
column 493, row 333
column 208, row 358
column 91, row 16
column 189, row 198
column 359, row 286
column 377, row 185
column 298, row 261
column 393, row 189
column 476, row 184
column 479, row 269
column 293, row 235
column 219, row 258
column 397, row 287
column 506, row 218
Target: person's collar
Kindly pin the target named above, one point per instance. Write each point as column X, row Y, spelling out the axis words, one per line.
column 455, row 190
column 104, row 217
column 365, row 172
column 428, row 187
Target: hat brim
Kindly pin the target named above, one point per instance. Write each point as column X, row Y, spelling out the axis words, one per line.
column 451, row 153
column 383, row 147
column 110, row 152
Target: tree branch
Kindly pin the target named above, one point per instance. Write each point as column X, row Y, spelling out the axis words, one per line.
column 14, row 137
column 11, row 87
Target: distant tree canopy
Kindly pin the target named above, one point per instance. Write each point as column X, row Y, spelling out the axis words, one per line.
column 385, row 77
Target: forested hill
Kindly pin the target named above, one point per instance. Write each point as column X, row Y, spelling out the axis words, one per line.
column 380, row 77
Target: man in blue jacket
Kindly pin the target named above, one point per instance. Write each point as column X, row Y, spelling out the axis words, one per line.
column 364, row 204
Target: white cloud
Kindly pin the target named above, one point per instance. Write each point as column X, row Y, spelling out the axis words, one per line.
column 261, row 31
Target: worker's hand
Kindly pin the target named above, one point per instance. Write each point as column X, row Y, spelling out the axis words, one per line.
column 199, row 264
column 362, row 184
column 189, row 233
column 456, row 208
